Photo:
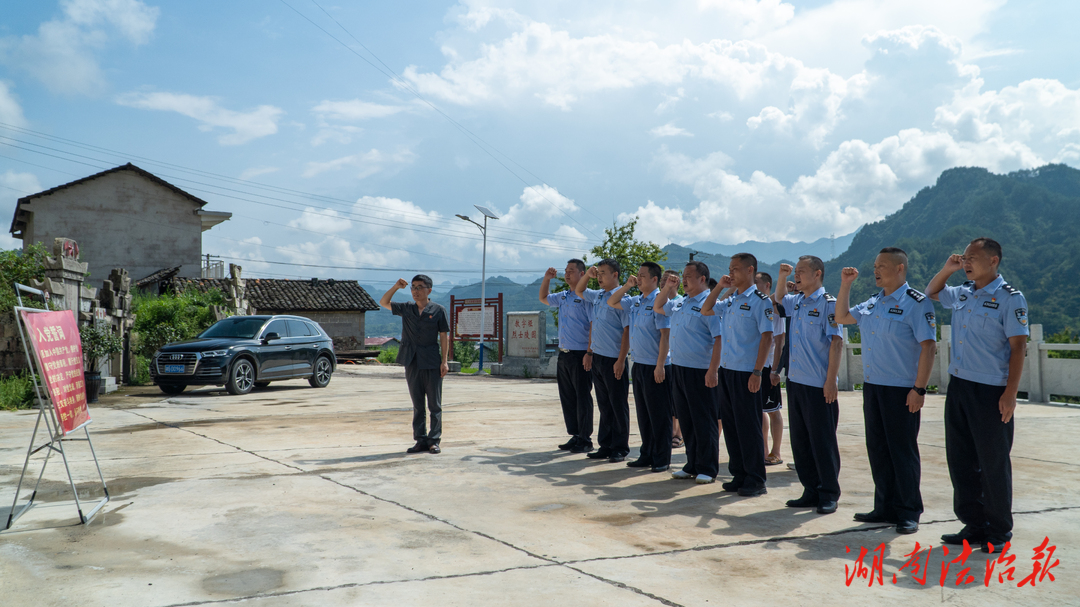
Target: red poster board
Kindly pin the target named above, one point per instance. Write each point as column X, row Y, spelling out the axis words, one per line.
column 54, row 338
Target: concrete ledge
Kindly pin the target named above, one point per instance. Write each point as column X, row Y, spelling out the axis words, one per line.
column 516, row 366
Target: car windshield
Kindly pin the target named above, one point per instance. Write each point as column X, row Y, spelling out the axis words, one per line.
column 245, row 328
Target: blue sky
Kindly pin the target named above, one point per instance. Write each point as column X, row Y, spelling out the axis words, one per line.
column 720, row 120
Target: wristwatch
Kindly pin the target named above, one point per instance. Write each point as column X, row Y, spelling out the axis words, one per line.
column 757, row 372
column 919, row 391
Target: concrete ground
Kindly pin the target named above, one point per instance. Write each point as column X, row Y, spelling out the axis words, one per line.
column 296, row 496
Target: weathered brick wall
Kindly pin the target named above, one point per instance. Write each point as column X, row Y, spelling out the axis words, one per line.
column 12, row 357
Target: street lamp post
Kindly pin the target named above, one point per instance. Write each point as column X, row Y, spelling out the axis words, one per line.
column 483, row 278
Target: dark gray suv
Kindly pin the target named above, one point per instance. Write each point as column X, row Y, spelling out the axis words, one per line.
column 247, row 352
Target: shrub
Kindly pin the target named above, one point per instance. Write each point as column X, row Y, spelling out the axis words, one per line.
column 18, row 266
column 466, row 353
column 17, row 392
column 163, row 319
column 388, row 356
column 141, row 377
column 98, row 343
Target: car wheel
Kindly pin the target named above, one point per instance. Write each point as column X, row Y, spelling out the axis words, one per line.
column 259, row 385
column 172, row 388
column 321, row 376
column 241, row 377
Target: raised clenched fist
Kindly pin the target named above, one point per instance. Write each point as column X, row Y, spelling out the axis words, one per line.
column 401, row 283
column 672, row 282
column 631, row 281
column 592, row 272
column 785, row 270
column 848, row 275
column 954, row 263
column 551, row 273
column 725, row 282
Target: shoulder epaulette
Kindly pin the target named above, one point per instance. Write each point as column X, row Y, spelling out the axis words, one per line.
column 919, row 297
column 829, row 297
column 761, row 295
column 1011, row 290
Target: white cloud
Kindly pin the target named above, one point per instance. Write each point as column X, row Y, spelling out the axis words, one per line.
column 10, row 111
column 245, row 126
column 670, row 130
column 326, row 221
column 366, row 164
column 354, row 110
column 62, row 53
column 254, row 172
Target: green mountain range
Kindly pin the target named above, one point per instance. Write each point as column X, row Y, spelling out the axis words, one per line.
column 1034, row 214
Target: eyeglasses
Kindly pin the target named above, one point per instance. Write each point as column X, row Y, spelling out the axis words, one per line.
column 416, row 288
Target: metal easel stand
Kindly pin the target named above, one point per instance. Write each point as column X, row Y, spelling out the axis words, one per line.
column 56, row 437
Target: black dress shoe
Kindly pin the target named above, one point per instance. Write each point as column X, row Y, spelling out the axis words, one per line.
column 802, row 502
column 907, row 527
column 581, row 447
column 752, row 491
column 601, row 453
column 957, row 539
column 872, row 517
column 419, row 447
column 826, row 507
column 730, row 486
column 997, row 545
column 639, row 463
column 568, row 445
column 434, row 448
column 659, row 468
column 617, row 456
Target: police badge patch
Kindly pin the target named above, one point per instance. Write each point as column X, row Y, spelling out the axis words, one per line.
column 832, row 320
column 769, row 313
column 1021, row 316
column 930, row 320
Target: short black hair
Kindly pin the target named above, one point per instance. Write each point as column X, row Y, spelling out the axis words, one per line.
column 423, row 278
column 989, row 245
column 611, row 264
column 655, row 269
column 712, row 283
column 897, row 254
column 580, row 264
column 815, row 263
column 766, row 277
column 746, row 259
column 700, row 267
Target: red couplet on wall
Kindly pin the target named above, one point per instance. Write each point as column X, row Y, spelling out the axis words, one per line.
column 54, row 338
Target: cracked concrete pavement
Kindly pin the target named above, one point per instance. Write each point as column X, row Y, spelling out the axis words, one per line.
column 297, row 496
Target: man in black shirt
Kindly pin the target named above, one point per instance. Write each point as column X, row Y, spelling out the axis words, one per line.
column 425, row 344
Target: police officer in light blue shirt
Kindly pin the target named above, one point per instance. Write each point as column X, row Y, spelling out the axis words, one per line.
column 695, row 355
column 898, row 333
column 606, row 359
column 746, row 319
column 649, row 338
column 989, row 341
column 574, row 380
column 814, row 355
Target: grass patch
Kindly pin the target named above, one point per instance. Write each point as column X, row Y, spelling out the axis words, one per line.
column 17, row 392
column 388, row 356
column 473, row 370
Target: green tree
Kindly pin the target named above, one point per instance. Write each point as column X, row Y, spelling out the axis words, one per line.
column 20, row 266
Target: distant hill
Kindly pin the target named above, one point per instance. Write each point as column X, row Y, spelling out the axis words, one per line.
column 1034, row 214
column 775, row 252
column 677, row 256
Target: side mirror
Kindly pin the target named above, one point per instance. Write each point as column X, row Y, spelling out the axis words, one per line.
column 270, row 337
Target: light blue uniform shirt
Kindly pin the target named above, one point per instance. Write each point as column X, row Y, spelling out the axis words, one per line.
column 645, row 326
column 607, row 322
column 813, row 325
column 744, row 317
column 892, row 328
column 983, row 320
column 691, row 340
column 777, row 329
column 575, row 316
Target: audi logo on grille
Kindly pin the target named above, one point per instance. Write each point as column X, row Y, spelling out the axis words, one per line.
column 177, row 357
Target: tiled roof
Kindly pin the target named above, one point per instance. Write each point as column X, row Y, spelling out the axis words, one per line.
column 378, row 341
column 278, row 295
column 15, row 227
column 159, row 276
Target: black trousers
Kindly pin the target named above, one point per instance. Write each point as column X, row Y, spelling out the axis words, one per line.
column 812, row 430
column 977, row 446
column 740, row 412
column 892, row 444
column 612, row 401
column 574, row 383
column 696, row 406
column 425, row 384
column 653, row 404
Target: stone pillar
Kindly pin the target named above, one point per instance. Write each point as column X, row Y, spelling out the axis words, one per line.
column 844, row 373
column 944, row 353
column 64, row 275
column 1033, row 367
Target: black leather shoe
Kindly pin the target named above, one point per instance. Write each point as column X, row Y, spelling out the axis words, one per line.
column 617, row 456
column 998, row 546
column 957, row 539
column 907, row 527
column 659, row 468
column 568, row 445
column 601, row 453
column 639, row 463
column 419, row 447
column 872, row 517
column 730, row 486
column 434, row 448
column 802, row 502
column 582, row 447
column 753, row 492
column 826, row 507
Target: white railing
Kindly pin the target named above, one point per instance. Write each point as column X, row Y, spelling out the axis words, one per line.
column 1043, row 376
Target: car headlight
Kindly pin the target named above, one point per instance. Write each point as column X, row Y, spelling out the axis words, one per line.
column 213, row 353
